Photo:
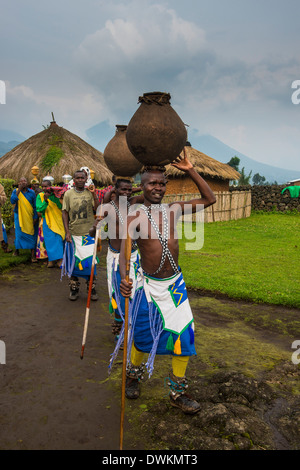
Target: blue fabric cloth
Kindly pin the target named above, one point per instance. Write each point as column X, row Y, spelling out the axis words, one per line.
column 23, row 240
column 54, row 243
column 71, row 267
column 120, row 300
column 148, row 334
column 4, row 233
column 116, row 281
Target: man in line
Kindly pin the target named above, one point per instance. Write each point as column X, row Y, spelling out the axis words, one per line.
column 116, row 205
column 161, row 319
column 3, row 236
column 25, row 218
column 79, row 206
column 49, row 206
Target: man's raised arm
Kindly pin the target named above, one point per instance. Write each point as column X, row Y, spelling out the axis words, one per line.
column 207, row 196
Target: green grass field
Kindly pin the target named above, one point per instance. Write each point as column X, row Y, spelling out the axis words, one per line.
column 7, row 261
column 255, row 259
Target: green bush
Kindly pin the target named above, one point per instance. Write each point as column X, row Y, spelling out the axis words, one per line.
column 6, row 210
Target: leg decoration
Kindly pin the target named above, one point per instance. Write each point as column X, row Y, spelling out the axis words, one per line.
column 94, row 295
column 178, row 396
column 116, row 326
column 134, row 374
column 74, row 289
column 178, row 386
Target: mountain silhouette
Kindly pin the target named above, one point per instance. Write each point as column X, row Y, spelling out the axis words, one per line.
column 100, row 134
column 214, row 148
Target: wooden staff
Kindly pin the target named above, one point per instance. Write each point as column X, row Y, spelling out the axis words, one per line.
column 87, row 312
column 127, row 261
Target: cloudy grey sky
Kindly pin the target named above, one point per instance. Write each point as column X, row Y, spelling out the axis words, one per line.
column 228, row 64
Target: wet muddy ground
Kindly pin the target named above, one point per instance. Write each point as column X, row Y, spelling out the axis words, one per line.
column 50, row 399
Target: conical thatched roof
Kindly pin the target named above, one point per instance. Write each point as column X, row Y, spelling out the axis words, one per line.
column 55, row 151
column 205, row 166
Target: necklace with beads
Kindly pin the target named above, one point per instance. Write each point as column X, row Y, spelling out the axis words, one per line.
column 77, row 191
column 162, row 238
column 118, row 212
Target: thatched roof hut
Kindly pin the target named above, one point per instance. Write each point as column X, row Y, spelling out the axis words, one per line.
column 55, row 151
column 216, row 174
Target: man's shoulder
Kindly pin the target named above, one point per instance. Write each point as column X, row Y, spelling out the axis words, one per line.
column 68, row 193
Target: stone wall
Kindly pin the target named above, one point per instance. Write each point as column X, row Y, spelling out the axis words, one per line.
column 269, row 198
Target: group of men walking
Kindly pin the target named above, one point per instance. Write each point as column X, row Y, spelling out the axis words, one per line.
column 37, row 221
column 160, row 316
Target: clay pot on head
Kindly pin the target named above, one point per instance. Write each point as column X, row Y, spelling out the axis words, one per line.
column 156, row 134
column 118, row 157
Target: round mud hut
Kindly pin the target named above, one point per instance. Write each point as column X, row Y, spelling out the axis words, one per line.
column 217, row 175
column 56, row 152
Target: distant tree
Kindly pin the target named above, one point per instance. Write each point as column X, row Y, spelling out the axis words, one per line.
column 234, row 163
column 244, row 179
column 258, row 179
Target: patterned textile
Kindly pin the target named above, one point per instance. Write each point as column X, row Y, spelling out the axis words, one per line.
column 4, row 232
column 41, row 252
column 24, row 213
column 78, row 257
column 117, row 301
column 160, row 319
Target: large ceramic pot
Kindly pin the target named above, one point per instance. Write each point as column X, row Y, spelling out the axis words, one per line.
column 156, row 134
column 118, row 157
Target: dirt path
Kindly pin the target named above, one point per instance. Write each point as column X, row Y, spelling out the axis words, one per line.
column 51, row 399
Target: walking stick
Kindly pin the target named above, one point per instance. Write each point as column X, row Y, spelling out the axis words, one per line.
column 127, row 260
column 87, row 312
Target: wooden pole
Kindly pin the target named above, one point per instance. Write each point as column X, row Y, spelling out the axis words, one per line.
column 127, row 260
column 87, row 311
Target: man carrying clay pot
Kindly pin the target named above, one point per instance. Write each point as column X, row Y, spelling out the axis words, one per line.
column 161, row 321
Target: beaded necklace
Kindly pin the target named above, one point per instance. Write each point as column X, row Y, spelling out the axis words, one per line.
column 76, row 190
column 118, row 211
column 134, row 244
column 162, row 238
